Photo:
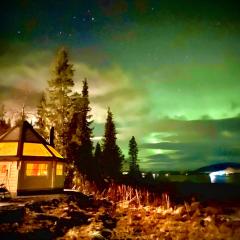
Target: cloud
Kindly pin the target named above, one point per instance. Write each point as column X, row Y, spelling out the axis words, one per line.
column 140, row 109
column 193, row 146
column 94, row 56
column 18, row 95
column 25, row 74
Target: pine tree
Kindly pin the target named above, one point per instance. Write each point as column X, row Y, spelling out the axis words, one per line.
column 112, row 157
column 21, row 117
column 80, row 150
column 97, row 162
column 85, row 161
column 2, row 112
column 4, row 126
column 59, row 101
column 42, row 118
column 133, row 157
column 98, row 153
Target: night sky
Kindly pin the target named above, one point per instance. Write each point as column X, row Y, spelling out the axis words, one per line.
column 169, row 71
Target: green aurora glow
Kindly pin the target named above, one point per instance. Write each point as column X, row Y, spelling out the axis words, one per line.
column 169, row 72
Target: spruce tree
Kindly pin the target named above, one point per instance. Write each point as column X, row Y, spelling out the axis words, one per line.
column 80, row 132
column 73, row 139
column 59, row 101
column 98, row 153
column 133, row 157
column 2, row 112
column 97, row 162
column 85, row 161
column 21, row 117
column 4, row 126
column 112, row 157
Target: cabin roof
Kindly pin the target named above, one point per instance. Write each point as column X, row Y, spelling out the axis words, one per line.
column 24, row 141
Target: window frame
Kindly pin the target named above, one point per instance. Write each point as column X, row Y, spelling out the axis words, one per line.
column 37, row 170
column 59, row 169
column 3, row 168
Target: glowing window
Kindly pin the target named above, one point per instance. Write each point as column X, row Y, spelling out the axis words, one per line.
column 8, row 148
column 35, row 149
column 56, row 153
column 3, row 168
column 59, row 169
column 37, row 169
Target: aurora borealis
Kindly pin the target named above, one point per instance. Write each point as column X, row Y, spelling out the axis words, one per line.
column 169, row 70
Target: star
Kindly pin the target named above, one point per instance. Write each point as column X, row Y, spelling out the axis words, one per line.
column 92, row 18
column 18, row 32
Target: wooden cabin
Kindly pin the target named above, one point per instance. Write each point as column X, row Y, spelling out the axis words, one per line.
column 28, row 163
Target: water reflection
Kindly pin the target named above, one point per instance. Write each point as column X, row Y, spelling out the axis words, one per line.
column 230, row 178
column 199, row 178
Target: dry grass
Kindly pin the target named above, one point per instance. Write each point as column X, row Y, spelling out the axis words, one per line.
column 123, row 194
column 141, row 214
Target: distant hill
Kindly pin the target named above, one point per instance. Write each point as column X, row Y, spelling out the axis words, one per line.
column 218, row 167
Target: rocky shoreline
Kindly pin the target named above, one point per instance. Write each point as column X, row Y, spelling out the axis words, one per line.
column 78, row 216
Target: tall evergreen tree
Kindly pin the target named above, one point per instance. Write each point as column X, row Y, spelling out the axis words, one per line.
column 59, row 101
column 112, row 157
column 4, row 126
column 42, row 117
column 80, row 132
column 21, row 116
column 98, row 153
column 85, row 161
column 2, row 112
column 97, row 162
column 133, row 157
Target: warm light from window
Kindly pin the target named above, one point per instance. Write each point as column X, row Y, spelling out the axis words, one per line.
column 59, row 169
column 55, row 152
column 35, row 149
column 3, row 168
column 8, row 148
column 36, row 169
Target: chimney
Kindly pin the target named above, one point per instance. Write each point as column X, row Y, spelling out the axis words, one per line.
column 51, row 139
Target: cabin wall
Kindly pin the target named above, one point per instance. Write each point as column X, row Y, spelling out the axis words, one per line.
column 9, row 175
column 59, row 179
column 33, row 183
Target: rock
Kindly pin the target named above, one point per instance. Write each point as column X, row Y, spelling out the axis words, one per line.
column 55, row 202
column 82, row 200
column 111, row 223
column 79, row 217
column 11, row 213
column 40, row 234
column 108, row 221
column 107, row 233
column 43, row 216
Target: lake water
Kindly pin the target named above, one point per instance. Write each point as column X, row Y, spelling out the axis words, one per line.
column 200, row 178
